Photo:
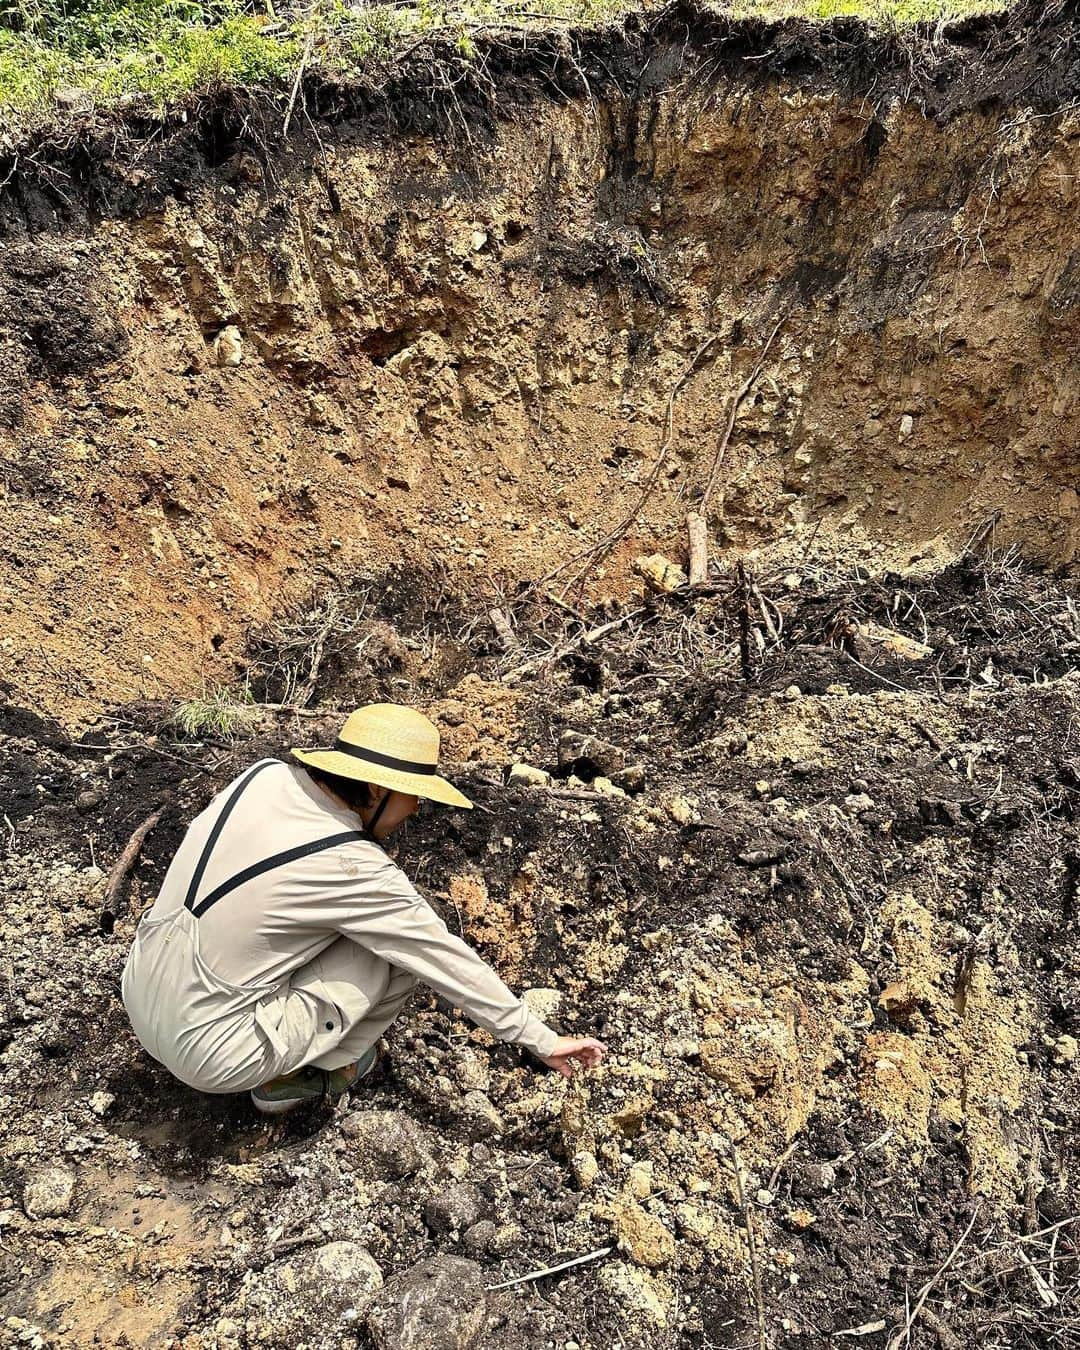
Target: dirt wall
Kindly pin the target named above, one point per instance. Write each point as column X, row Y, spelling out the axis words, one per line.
column 351, row 356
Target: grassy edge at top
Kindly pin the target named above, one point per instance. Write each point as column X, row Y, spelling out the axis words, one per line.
column 108, row 53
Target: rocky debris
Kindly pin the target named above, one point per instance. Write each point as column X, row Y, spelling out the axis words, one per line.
column 482, row 1238
column 228, row 347
column 591, row 759
column 101, row 1103
column 659, row 573
column 454, row 1209
column 440, row 1304
column 529, row 775
column 544, row 1003
column 586, row 1168
column 813, row 1179
column 585, row 755
column 48, row 1192
column 681, row 810
column 309, row 1298
column 640, row 1293
column 387, row 1145
column 481, row 1118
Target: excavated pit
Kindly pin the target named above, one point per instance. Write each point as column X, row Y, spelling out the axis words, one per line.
column 807, row 858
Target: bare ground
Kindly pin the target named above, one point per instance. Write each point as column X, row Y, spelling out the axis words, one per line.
column 829, row 933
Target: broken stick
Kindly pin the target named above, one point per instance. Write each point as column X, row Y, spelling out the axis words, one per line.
column 748, row 1224
column 552, row 1270
column 698, row 533
column 112, row 909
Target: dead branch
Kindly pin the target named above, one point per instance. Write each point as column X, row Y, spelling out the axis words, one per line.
column 698, row 533
column 596, row 552
column 744, row 389
column 588, row 636
column 1046, row 1295
column 904, row 1334
column 111, row 908
column 500, row 621
column 303, row 696
column 742, row 592
column 304, row 59
column 980, row 536
column 759, row 1306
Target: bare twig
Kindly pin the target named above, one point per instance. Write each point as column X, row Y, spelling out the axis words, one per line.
column 552, row 1270
column 590, row 635
column 500, row 621
column 743, row 598
column 1046, row 1295
column 304, row 59
column 759, row 1306
column 981, row 534
column 744, row 389
column 111, row 909
column 595, row 552
column 904, row 1334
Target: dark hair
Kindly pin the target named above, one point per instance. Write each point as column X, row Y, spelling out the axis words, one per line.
column 357, row 794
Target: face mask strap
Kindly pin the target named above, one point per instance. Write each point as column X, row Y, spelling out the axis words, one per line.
column 369, row 828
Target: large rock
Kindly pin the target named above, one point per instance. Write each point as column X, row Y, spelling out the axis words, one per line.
column 440, row 1304
column 48, row 1192
column 310, row 1298
column 384, row 1145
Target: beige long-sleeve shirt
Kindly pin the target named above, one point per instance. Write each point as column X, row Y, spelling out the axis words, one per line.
column 263, row 929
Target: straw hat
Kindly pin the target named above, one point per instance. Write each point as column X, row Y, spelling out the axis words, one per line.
column 392, row 746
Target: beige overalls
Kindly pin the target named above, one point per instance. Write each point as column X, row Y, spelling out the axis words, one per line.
column 283, row 936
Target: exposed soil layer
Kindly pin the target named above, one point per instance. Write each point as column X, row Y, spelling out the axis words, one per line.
column 133, row 158
column 377, row 350
column 828, row 929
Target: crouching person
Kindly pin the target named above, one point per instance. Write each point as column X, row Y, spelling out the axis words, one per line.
column 284, row 941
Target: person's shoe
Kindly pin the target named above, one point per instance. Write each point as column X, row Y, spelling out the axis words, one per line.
column 290, row 1089
column 340, row 1081
column 310, row 1084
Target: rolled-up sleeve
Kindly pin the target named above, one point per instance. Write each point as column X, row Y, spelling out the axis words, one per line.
column 380, row 909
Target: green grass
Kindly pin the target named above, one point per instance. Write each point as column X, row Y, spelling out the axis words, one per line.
column 221, row 714
column 105, row 52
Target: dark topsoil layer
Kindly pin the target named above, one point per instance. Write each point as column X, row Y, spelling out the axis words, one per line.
column 1011, row 822
column 128, row 161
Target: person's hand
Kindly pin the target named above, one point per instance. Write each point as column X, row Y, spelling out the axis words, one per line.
column 575, row 1052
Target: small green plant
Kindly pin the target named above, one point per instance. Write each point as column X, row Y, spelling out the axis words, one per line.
column 220, row 714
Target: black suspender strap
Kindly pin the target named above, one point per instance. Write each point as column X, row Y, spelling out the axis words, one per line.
column 278, row 860
column 215, row 833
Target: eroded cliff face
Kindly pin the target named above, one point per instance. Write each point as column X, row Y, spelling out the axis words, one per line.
column 360, row 355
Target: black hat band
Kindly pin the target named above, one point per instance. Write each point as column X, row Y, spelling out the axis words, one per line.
column 386, row 761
